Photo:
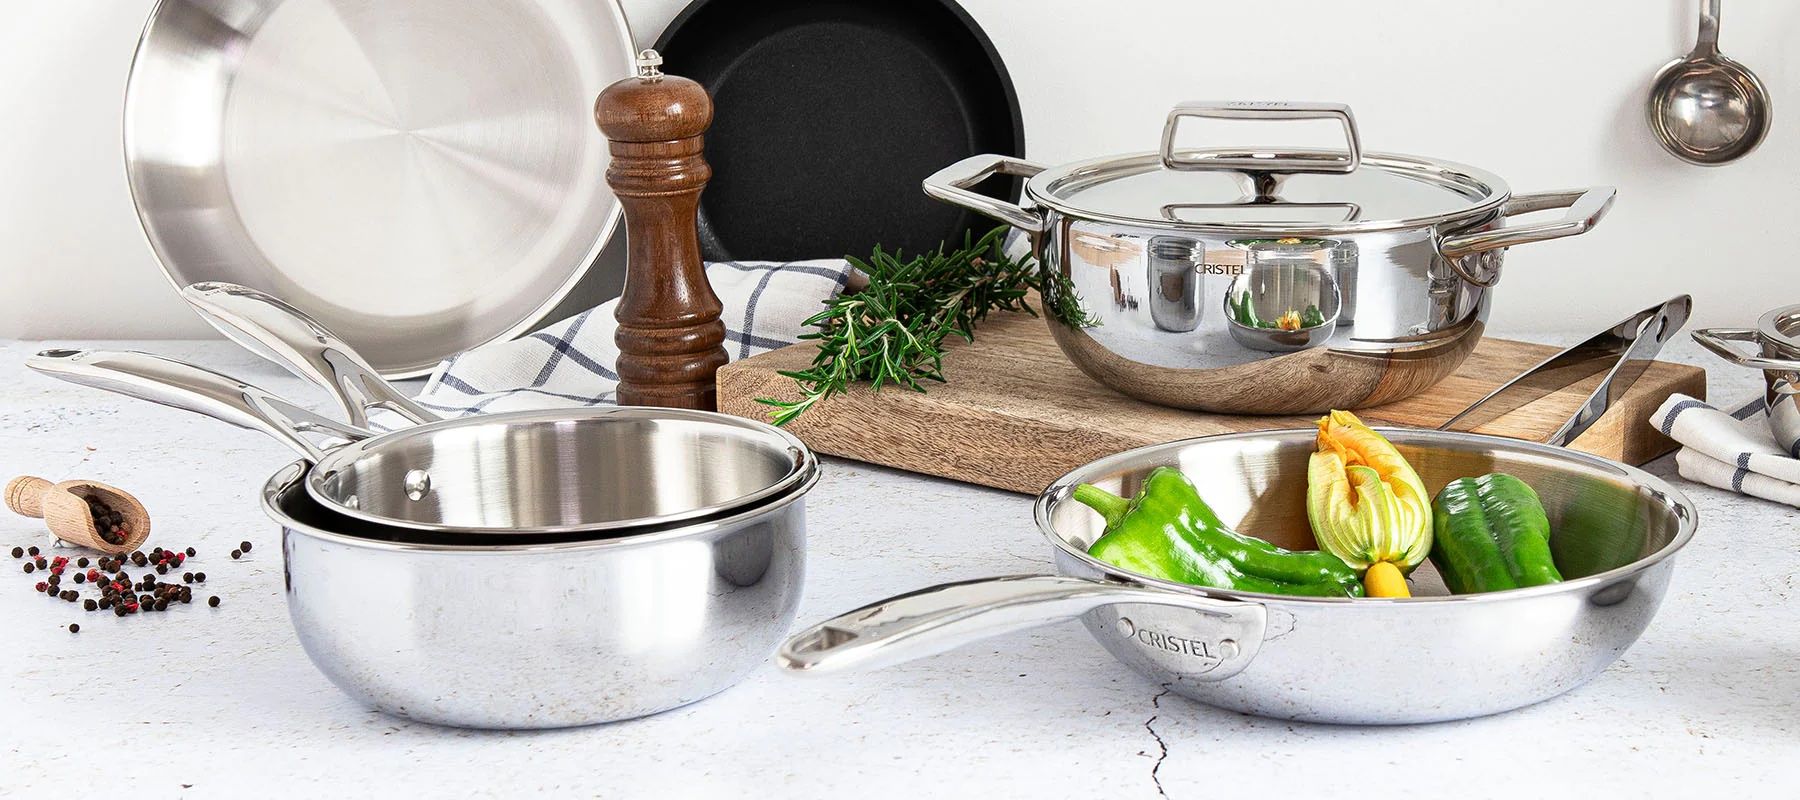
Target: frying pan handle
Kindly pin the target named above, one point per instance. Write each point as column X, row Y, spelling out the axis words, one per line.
column 1220, row 637
column 190, row 388
column 951, row 185
column 1719, row 340
column 287, row 336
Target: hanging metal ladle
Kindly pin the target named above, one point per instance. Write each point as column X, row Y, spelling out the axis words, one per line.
column 1705, row 108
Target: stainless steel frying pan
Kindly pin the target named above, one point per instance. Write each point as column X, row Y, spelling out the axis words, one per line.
column 1435, row 656
column 423, row 176
column 556, row 472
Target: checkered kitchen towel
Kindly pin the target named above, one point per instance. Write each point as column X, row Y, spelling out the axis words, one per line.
column 1734, row 451
column 570, row 363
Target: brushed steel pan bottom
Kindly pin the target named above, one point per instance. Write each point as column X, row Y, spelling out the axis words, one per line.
column 421, row 177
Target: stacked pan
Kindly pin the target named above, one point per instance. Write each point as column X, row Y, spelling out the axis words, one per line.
column 530, row 569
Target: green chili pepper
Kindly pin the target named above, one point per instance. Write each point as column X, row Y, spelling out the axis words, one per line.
column 1491, row 534
column 1167, row 531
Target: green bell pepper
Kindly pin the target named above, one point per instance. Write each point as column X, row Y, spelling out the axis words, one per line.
column 1491, row 534
column 1168, row 532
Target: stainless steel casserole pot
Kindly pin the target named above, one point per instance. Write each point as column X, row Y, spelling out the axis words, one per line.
column 1776, row 338
column 1270, row 280
column 1615, row 530
column 488, row 630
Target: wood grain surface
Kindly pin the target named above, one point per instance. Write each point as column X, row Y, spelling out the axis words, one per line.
column 670, row 337
column 1015, row 414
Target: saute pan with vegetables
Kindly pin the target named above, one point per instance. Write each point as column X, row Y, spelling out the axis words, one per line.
column 1339, row 574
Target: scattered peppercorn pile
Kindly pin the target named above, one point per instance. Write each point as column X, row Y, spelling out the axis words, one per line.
column 112, row 587
column 111, row 524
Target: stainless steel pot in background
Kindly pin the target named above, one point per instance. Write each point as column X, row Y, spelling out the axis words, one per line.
column 1312, row 279
column 1615, row 531
column 1776, row 342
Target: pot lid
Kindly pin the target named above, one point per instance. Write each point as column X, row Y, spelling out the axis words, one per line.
column 1316, row 192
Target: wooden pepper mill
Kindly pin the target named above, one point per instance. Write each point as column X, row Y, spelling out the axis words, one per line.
column 671, row 342
column 64, row 509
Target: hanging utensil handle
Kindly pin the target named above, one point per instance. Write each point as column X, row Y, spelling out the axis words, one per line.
column 190, row 388
column 941, row 618
column 1706, row 42
column 287, row 336
column 951, row 185
column 1257, row 164
column 1719, row 341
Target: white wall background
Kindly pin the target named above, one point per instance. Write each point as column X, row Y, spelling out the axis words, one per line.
column 1547, row 93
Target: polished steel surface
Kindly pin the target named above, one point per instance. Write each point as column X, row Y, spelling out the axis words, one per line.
column 1705, row 108
column 613, row 471
column 1777, row 339
column 421, row 177
column 1417, row 247
column 1614, row 532
column 540, row 636
column 1622, row 351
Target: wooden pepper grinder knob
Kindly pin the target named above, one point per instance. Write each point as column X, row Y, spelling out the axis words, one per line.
column 65, row 510
column 671, row 342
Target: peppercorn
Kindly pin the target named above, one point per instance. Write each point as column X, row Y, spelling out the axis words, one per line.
column 29, row 567
column 81, row 562
column 144, row 599
column 162, row 604
column 187, row 577
column 213, row 601
column 74, row 627
column 244, row 546
column 237, row 554
column 54, row 580
column 190, row 551
column 18, row 552
column 89, row 604
column 39, row 561
column 33, row 550
column 80, row 578
column 162, row 569
column 199, row 577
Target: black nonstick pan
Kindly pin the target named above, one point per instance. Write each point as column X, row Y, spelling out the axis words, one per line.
column 828, row 114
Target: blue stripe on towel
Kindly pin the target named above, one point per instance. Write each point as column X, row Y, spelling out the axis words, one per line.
column 1743, row 469
column 1668, row 423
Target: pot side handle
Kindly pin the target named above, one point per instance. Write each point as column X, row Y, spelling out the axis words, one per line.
column 180, row 385
column 281, row 333
column 1586, row 207
column 951, row 185
column 941, row 618
column 1719, row 340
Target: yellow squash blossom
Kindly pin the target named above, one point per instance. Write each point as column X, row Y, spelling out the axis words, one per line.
column 1366, row 504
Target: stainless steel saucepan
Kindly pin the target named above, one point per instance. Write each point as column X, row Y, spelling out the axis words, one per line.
column 575, row 471
column 485, row 630
column 1270, row 280
column 1615, row 531
column 1776, row 338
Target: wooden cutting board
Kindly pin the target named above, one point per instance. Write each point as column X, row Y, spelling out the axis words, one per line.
column 1016, row 414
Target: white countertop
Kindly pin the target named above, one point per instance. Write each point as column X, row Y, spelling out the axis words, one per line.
column 222, row 702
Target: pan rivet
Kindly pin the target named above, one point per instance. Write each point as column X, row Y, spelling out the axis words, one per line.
column 1228, row 648
column 418, row 484
column 1126, row 629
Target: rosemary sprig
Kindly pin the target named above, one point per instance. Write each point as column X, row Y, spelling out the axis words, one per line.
column 894, row 330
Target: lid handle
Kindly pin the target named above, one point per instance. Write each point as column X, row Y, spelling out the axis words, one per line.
column 1263, row 166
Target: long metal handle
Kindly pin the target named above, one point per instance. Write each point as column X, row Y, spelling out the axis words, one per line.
column 1719, row 340
column 1262, row 111
column 1623, row 351
column 190, row 388
column 281, row 333
column 941, row 618
column 1586, row 207
column 951, row 185
column 1706, row 42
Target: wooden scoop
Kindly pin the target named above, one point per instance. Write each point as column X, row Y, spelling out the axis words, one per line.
column 64, row 509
